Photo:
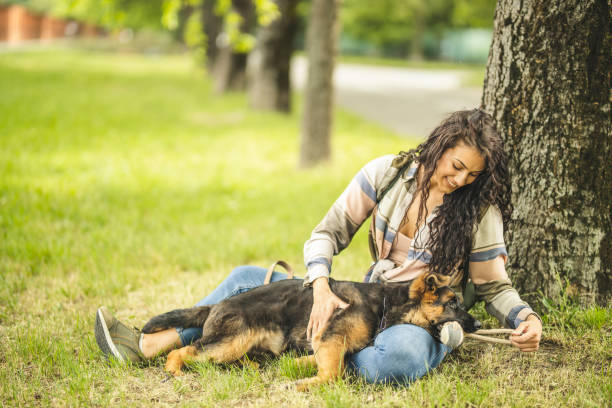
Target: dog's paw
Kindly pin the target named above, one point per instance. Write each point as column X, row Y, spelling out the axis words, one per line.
column 173, row 370
column 175, row 373
column 174, row 363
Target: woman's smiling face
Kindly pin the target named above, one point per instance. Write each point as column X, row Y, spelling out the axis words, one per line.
column 458, row 166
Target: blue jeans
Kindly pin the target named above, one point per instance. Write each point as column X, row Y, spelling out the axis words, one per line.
column 400, row 354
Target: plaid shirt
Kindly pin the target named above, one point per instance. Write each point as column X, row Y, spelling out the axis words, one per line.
column 359, row 202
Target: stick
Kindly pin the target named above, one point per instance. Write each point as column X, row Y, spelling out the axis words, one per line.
column 494, row 331
column 486, row 338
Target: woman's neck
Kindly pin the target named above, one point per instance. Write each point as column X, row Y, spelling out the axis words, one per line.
column 434, row 193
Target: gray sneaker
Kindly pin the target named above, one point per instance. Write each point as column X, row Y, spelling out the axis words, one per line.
column 116, row 339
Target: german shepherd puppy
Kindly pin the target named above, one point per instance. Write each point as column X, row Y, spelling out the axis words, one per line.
column 273, row 318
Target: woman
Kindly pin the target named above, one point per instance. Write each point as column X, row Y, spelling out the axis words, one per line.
column 442, row 207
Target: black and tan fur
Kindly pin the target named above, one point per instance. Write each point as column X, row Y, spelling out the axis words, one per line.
column 273, row 318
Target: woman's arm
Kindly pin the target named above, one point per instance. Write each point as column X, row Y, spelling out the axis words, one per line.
column 334, row 233
column 346, row 215
column 503, row 301
column 488, row 273
column 324, row 304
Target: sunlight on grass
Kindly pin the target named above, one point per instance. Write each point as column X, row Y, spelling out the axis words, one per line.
column 125, row 181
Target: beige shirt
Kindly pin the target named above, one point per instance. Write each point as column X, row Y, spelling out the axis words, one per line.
column 360, row 201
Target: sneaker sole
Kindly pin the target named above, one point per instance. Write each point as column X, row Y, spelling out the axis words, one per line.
column 104, row 339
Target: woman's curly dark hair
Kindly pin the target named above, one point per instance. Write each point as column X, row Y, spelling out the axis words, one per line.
column 451, row 230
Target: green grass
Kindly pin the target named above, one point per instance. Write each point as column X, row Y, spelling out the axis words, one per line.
column 125, row 181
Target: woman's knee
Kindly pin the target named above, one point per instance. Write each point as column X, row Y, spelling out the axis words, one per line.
column 405, row 353
column 244, row 271
column 239, row 280
column 407, row 343
column 253, row 276
column 247, row 276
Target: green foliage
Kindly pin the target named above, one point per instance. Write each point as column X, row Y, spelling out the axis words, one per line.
column 35, row 5
column 473, row 13
column 565, row 312
column 108, row 13
column 159, row 14
column 195, row 37
column 241, row 42
column 267, row 11
column 396, row 24
column 390, row 22
column 170, row 11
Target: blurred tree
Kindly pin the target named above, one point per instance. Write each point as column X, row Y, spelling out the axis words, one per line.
column 321, row 44
column 221, row 33
column 108, row 13
column 388, row 25
column 212, row 26
column 270, row 61
column 472, row 13
column 548, row 84
column 183, row 15
column 397, row 26
column 229, row 67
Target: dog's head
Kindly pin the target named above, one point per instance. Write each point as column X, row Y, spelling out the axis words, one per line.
column 434, row 303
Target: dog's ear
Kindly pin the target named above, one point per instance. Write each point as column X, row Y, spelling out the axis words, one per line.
column 434, row 281
column 425, row 283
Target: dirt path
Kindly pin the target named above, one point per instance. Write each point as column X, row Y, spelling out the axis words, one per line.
column 409, row 101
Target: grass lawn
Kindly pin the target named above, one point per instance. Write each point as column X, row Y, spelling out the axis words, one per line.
column 125, row 182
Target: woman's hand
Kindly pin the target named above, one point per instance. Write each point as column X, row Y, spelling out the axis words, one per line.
column 528, row 334
column 324, row 305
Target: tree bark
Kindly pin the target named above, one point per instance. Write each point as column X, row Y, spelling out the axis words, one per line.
column 229, row 69
column 318, row 105
column 212, row 24
column 548, row 87
column 269, row 64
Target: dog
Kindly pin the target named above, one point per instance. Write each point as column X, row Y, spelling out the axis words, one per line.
column 273, row 318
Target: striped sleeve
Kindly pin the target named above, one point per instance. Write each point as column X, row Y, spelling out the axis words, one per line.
column 488, row 242
column 501, row 299
column 503, row 302
column 347, row 214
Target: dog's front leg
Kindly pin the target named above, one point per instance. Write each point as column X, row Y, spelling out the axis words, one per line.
column 329, row 356
column 177, row 358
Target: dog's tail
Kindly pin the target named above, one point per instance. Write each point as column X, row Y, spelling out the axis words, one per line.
column 194, row 317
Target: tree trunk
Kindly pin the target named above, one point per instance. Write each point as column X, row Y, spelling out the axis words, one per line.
column 269, row 64
column 212, row 24
column 229, row 69
column 548, row 87
column 416, row 42
column 318, row 106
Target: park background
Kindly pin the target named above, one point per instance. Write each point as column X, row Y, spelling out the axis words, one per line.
column 136, row 171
